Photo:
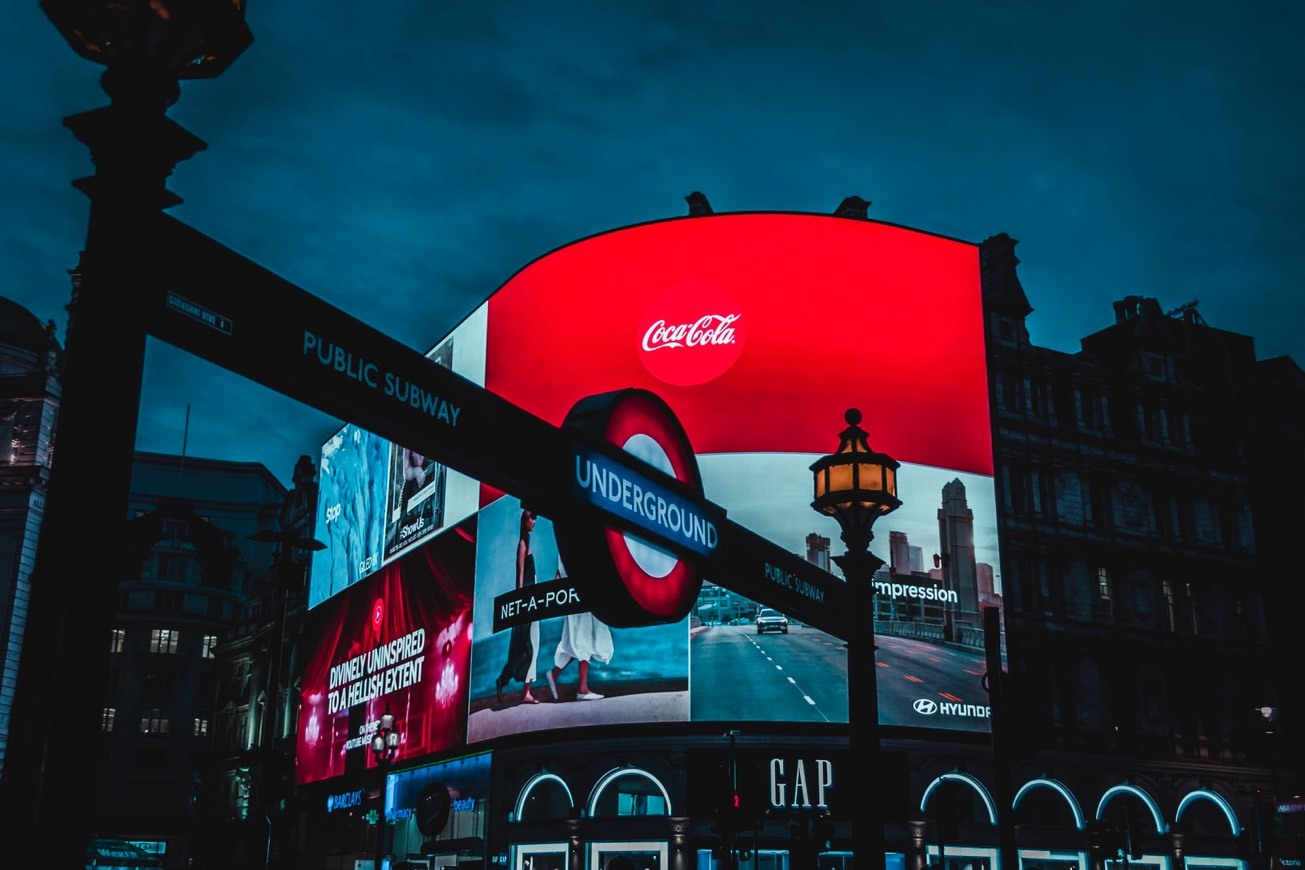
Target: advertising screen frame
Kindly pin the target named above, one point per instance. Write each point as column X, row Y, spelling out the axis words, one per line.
column 909, row 586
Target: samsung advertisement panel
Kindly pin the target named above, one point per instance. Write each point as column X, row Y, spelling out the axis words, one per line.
column 758, row 331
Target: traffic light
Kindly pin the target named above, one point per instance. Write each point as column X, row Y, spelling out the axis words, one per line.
column 729, row 813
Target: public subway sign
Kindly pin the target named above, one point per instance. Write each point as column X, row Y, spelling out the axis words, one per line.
column 252, row 322
column 228, row 312
column 328, row 359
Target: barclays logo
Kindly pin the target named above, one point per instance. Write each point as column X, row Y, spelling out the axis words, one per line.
column 925, row 706
column 346, row 801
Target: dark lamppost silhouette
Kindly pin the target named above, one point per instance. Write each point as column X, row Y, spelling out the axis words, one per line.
column 147, row 47
column 856, row 486
column 385, row 746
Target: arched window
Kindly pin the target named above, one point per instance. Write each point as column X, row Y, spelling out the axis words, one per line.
column 1047, row 802
column 629, row 791
column 544, row 797
column 1205, row 813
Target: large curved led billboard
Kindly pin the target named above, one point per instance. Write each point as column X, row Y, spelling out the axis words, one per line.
column 757, row 331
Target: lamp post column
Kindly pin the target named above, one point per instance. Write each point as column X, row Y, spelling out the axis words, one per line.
column 856, row 485
column 64, row 664
column 859, row 568
column 385, row 747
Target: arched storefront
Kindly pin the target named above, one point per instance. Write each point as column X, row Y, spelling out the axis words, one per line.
column 617, row 803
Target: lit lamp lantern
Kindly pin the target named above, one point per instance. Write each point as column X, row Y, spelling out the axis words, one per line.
column 855, row 485
column 385, row 743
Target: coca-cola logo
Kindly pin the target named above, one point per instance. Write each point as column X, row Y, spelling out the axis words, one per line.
column 691, row 333
column 708, row 329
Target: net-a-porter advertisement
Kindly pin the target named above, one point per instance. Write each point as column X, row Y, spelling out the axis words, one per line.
column 758, row 331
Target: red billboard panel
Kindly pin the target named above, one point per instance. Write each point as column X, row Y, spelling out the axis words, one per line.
column 399, row 641
column 759, row 331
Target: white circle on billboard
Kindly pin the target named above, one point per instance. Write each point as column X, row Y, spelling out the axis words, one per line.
column 651, row 559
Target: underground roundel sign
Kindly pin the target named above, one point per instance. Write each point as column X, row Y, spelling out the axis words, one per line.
column 632, row 578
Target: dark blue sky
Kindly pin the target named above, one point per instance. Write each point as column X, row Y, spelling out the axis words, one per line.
column 403, row 159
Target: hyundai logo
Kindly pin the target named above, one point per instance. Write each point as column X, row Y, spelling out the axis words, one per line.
column 925, row 706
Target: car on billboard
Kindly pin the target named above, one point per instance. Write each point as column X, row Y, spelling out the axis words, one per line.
column 771, row 620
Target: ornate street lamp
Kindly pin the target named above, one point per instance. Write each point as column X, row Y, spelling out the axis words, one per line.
column 385, row 742
column 856, row 486
column 147, row 46
column 194, row 39
column 385, row 747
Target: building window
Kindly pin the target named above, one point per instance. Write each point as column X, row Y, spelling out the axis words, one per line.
column 106, row 719
column 1145, row 430
column 117, row 640
column 1025, row 492
column 1085, row 404
column 167, row 602
column 163, row 640
column 170, row 566
column 208, row 646
column 1154, row 366
column 1175, row 519
column 1009, row 397
column 1104, row 596
column 154, row 722
column 157, row 684
column 1033, row 393
column 201, row 727
column 1171, row 604
column 176, row 531
column 1192, row 608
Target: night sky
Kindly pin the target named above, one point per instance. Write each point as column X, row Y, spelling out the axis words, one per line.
column 403, row 159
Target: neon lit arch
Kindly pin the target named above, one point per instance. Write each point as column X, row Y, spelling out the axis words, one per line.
column 616, row 773
column 535, row 781
column 1059, row 789
column 1116, row 790
column 1192, row 797
column 968, row 780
